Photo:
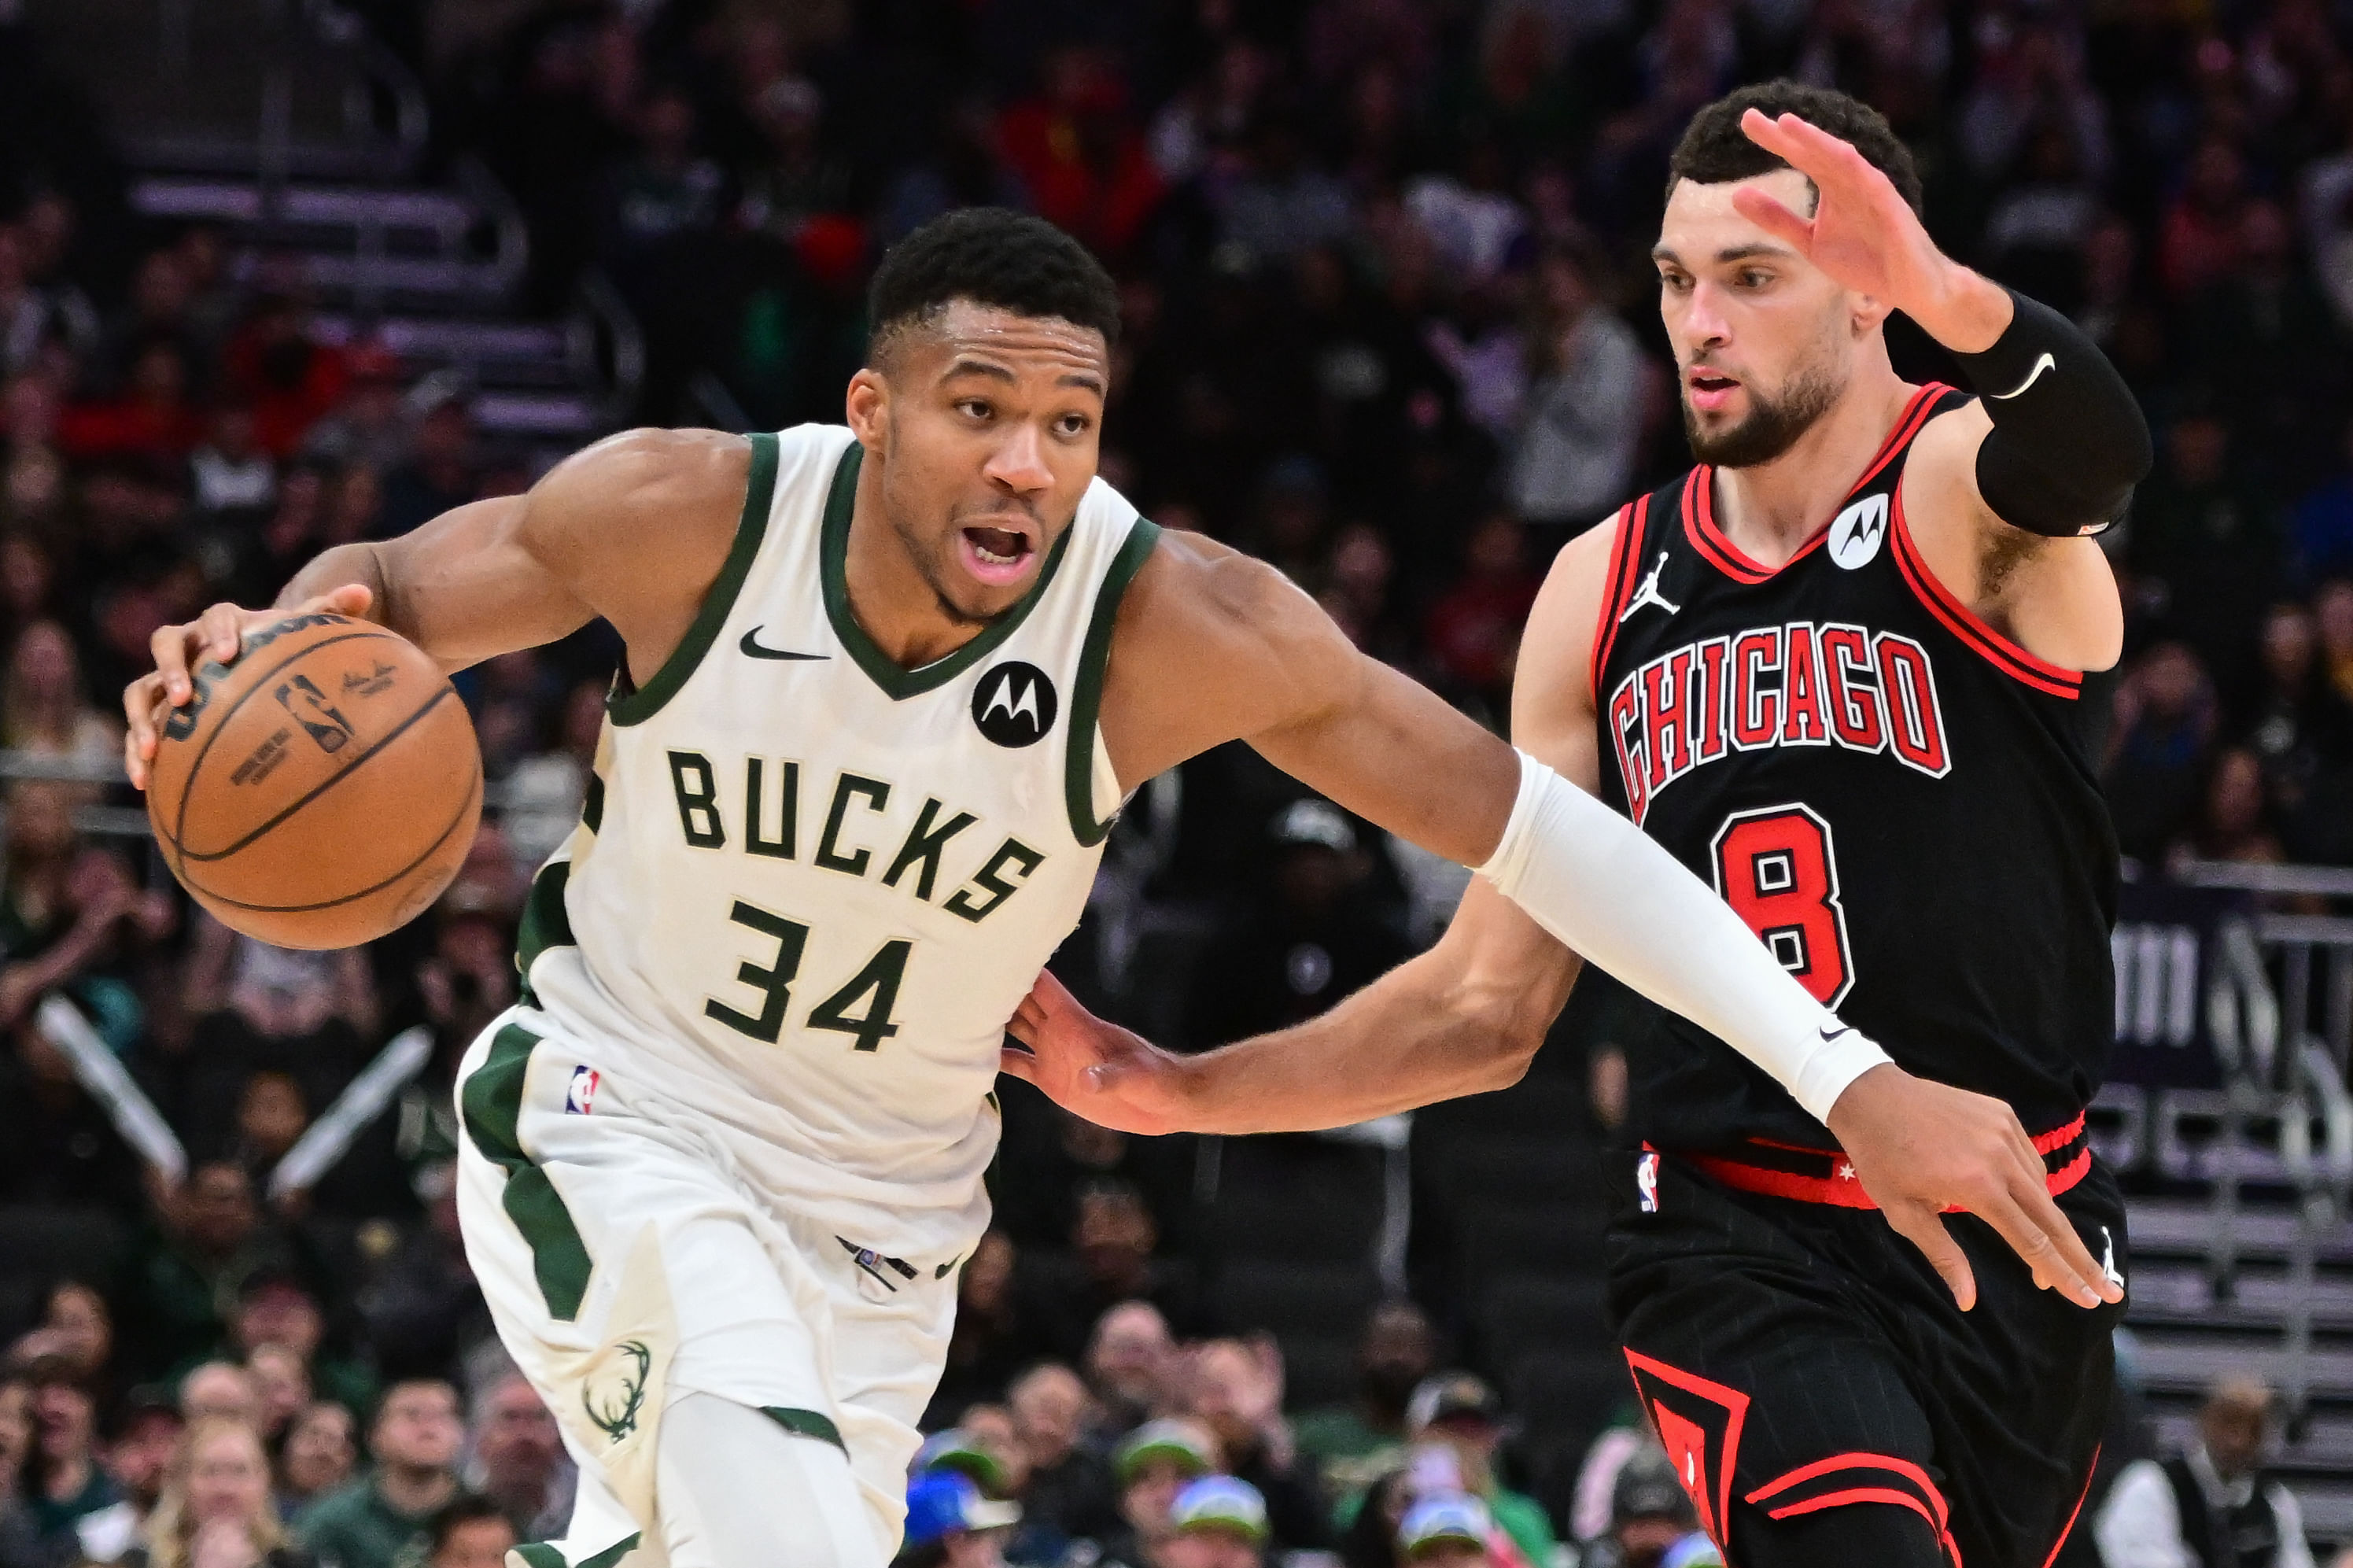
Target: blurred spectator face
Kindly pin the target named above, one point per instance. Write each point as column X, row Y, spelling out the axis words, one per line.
column 34, row 488
column 1114, row 1235
column 1211, row 1548
column 80, row 1328
column 991, row 1429
column 1130, row 1356
column 2235, row 1424
column 281, row 1384
column 228, row 1475
column 320, row 1450
column 1399, row 1349
column 418, row 1427
column 476, row 1543
column 161, row 289
column 43, row 669
column 1047, row 1405
column 27, row 576
column 988, row 1280
column 358, row 503
column 517, row 1444
column 1143, row 1501
column 301, row 496
column 1757, row 367
column 65, row 1417
column 41, row 821
column 2235, row 797
column 141, row 1458
column 2290, row 640
column 217, row 1213
column 2171, row 681
column 219, row 1390
column 270, row 1115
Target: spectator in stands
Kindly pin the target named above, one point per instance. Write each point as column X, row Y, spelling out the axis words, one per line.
column 78, row 1329
column 951, row 1525
column 470, row 1532
column 2232, row 823
column 1445, row 1529
column 216, row 1510
column 1237, row 1394
column 2301, row 730
column 370, row 428
column 1133, row 1366
column 235, row 479
column 440, row 472
column 1218, row 1521
column 42, row 708
column 2206, row 539
column 319, row 1455
column 2332, row 616
column 1154, row 1464
column 386, row 1513
column 2323, row 525
column 277, row 366
column 2211, row 1502
column 423, row 1310
column 1474, row 630
column 276, row 1307
column 67, row 906
column 995, row 1332
column 1460, row 1411
column 2166, row 716
column 282, row 1385
column 519, row 1461
column 154, row 416
column 219, row 1390
column 1114, row 1243
column 20, row 1532
column 146, row 1430
column 1070, row 1486
column 1573, row 457
column 1354, row 1445
column 1649, row 1515
column 210, row 1237
column 70, row 1482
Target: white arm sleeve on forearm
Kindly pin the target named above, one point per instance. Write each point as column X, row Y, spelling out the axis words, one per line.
column 1620, row 900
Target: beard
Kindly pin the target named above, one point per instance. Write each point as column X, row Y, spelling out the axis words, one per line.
column 1773, row 425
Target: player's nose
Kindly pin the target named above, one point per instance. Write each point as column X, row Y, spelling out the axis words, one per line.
column 1018, row 463
column 1705, row 323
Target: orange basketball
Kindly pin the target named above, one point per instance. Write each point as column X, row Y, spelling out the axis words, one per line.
column 323, row 790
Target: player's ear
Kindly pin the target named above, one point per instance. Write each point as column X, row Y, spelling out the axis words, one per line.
column 867, row 407
column 1866, row 314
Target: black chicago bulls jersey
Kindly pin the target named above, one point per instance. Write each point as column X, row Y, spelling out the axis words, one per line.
column 1900, row 802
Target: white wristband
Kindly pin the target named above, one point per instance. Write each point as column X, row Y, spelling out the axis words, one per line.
column 1615, row 897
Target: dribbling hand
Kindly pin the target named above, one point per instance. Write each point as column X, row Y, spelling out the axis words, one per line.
column 1094, row 1070
column 218, row 634
column 1919, row 1147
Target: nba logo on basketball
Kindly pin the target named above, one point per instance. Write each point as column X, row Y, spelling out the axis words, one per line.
column 1646, row 1180
column 581, row 1098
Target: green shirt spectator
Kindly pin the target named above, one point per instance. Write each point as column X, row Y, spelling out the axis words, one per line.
column 384, row 1520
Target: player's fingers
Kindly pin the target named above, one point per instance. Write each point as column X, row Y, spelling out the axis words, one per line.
column 221, row 630
column 139, row 729
column 1924, row 1227
column 169, row 648
column 2068, row 1249
column 1018, row 1064
column 1049, row 995
column 1771, row 216
column 1775, row 136
column 2039, row 1248
column 351, row 598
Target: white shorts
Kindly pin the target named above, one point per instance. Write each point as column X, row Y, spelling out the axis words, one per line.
column 626, row 1261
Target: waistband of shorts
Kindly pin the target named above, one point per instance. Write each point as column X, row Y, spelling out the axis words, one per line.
column 1825, row 1176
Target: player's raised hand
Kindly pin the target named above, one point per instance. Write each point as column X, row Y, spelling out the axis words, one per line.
column 1863, row 232
column 219, row 635
column 1109, row 1076
column 1921, row 1148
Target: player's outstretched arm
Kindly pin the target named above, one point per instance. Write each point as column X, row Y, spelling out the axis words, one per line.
column 633, row 528
column 1211, row 646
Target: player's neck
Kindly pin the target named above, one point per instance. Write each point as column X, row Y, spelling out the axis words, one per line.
column 1769, row 511
column 892, row 601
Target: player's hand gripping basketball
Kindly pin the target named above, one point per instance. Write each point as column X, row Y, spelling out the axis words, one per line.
column 217, row 634
column 1866, row 236
column 1109, row 1076
column 1921, row 1148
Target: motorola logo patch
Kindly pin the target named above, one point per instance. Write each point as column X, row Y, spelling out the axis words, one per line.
column 1014, row 705
column 1856, row 532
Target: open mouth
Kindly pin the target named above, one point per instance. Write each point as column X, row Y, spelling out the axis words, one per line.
column 997, row 556
column 1710, row 390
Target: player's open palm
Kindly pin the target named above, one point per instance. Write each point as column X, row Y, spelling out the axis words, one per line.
column 1863, row 232
column 1109, row 1076
column 1920, row 1148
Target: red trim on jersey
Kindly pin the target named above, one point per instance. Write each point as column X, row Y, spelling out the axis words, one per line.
column 2059, row 1138
column 1617, row 586
column 1964, row 623
column 1729, row 559
column 2076, row 1512
column 1935, row 1510
column 1803, row 1473
column 1731, row 1400
column 1843, row 1189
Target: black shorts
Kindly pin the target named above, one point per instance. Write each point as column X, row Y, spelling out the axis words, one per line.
column 1798, row 1359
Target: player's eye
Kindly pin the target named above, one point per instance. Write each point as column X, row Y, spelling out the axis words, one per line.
column 974, row 407
column 1674, row 282
column 1754, row 277
column 1072, row 425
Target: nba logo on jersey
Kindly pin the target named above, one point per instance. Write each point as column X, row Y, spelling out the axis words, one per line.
column 581, row 1098
column 1646, row 1180
column 1856, row 532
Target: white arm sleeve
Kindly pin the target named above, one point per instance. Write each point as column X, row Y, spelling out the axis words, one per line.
column 1617, row 898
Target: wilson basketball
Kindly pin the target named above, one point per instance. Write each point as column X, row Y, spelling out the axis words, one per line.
column 321, row 790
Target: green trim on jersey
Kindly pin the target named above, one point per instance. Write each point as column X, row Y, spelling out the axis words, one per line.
column 899, row 683
column 805, row 1423
column 544, row 1554
column 759, row 495
column 492, row 1102
column 545, row 922
column 1086, row 700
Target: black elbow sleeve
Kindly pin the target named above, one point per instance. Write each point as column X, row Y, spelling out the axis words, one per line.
column 2068, row 441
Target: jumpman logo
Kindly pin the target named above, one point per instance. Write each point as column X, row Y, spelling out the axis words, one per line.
column 1648, row 594
column 2109, row 1263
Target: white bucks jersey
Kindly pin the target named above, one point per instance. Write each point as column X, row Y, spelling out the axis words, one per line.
column 811, row 888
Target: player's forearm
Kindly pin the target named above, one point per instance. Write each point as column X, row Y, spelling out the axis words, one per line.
column 1968, row 312
column 1412, row 1038
column 334, row 567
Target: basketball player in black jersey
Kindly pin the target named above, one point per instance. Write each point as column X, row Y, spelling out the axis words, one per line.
column 1840, row 667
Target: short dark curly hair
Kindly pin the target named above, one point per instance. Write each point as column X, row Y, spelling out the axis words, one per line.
column 991, row 256
column 1715, row 150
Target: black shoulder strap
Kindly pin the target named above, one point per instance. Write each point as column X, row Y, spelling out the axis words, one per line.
column 2200, row 1527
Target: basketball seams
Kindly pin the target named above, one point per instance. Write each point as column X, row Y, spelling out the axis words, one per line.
column 471, row 806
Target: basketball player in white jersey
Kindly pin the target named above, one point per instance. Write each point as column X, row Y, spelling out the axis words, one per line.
column 885, row 687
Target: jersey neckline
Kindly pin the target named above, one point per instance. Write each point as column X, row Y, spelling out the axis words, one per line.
column 1715, row 546
column 897, row 681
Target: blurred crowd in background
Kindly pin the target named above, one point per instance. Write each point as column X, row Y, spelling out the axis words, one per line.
column 1390, row 323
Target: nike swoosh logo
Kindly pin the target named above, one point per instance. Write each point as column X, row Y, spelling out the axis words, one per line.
column 2042, row 364
column 1828, row 1034
column 752, row 648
